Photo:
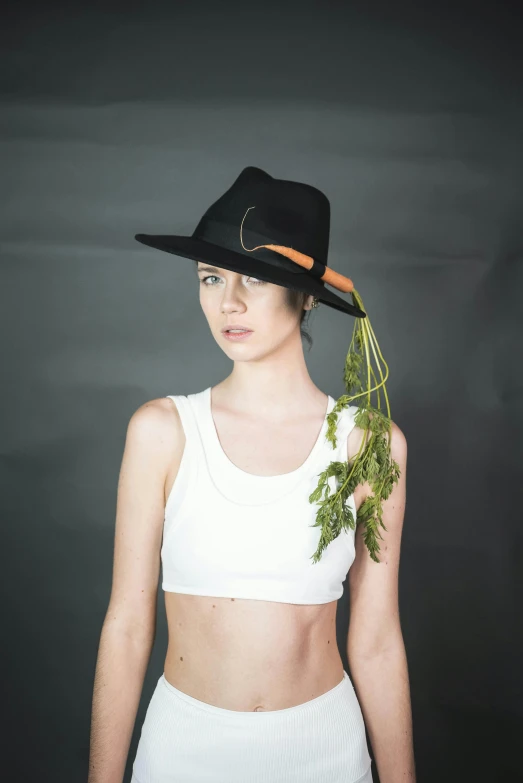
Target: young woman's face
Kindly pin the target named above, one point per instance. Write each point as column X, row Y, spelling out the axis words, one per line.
column 233, row 299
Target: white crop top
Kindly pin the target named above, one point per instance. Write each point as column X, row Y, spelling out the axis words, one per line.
column 232, row 534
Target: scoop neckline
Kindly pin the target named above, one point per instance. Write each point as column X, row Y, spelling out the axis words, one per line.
column 254, row 476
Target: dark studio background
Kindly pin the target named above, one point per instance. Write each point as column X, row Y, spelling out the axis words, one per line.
column 117, row 121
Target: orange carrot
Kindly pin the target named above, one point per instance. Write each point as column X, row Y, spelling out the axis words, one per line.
column 331, row 277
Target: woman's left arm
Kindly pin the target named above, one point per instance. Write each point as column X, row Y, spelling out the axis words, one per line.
column 375, row 647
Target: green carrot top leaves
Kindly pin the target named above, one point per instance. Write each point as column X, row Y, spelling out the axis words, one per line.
column 373, row 463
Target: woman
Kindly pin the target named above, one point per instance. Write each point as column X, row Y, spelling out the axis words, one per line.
column 249, row 491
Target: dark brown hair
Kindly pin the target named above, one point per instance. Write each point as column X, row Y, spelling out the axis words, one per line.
column 296, row 299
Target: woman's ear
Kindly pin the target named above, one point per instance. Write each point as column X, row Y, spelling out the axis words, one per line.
column 307, row 304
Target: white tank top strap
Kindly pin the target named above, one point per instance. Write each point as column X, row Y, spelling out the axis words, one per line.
column 186, row 477
column 186, row 414
column 200, row 404
column 339, row 453
column 344, row 426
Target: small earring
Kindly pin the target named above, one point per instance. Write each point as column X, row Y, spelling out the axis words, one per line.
column 315, row 302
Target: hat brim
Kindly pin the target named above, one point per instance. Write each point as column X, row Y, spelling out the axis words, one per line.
column 200, row 250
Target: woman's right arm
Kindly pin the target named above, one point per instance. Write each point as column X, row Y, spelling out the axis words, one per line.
column 129, row 626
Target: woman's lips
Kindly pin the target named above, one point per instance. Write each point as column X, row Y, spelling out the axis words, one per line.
column 236, row 336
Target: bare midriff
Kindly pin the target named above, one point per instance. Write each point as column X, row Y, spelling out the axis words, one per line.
column 252, row 655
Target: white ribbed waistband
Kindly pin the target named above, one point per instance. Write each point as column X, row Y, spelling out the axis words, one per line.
column 311, row 704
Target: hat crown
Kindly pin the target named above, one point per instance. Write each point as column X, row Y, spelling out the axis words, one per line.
column 285, row 212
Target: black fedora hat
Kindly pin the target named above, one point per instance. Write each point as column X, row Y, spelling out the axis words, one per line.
column 274, row 229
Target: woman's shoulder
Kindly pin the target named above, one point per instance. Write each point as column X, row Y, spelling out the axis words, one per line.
column 152, row 411
column 354, row 441
column 157, row 424
column 155, row 417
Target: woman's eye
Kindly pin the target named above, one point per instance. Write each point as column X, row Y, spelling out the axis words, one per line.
column 209, row 277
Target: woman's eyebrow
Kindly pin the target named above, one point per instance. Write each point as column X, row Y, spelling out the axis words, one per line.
column 207, row 269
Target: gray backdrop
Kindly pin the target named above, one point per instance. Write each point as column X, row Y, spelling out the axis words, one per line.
column 116, row 122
